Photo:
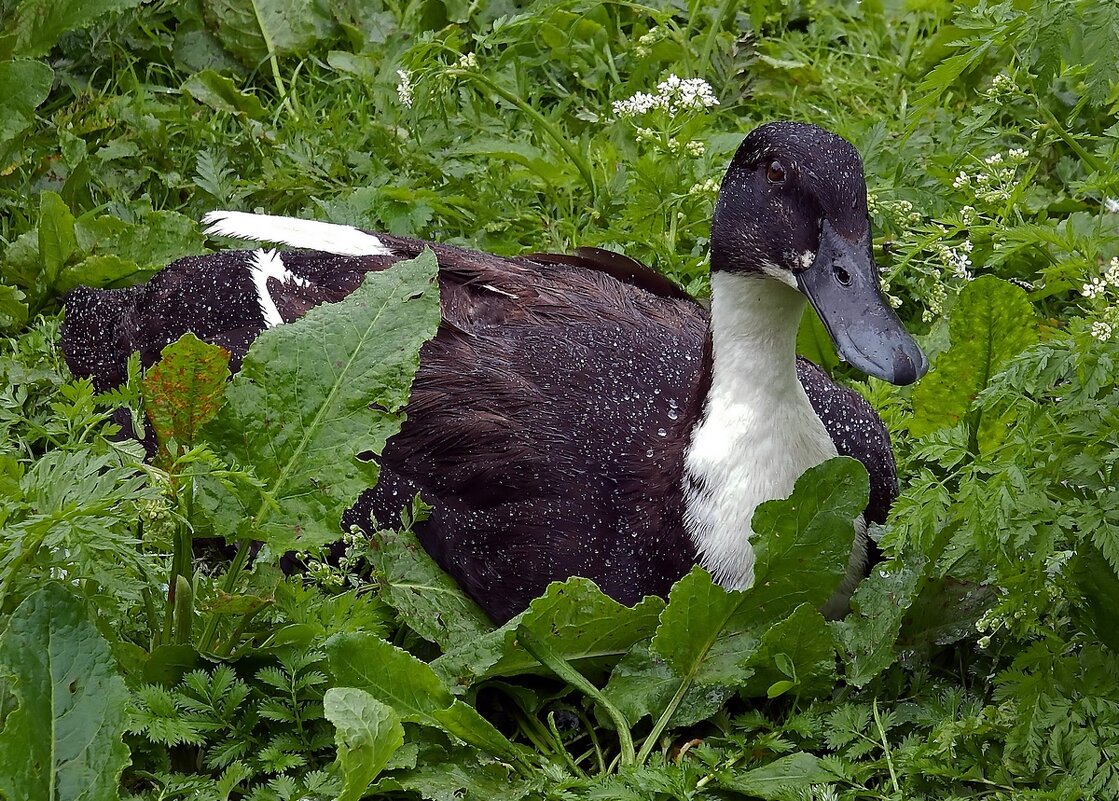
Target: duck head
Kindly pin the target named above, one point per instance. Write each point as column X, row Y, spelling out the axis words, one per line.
column 792, row 208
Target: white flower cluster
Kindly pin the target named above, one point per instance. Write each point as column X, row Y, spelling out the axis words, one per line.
column 1097, row 287
column 1002, row 85
column 673, row 95
column 1101, row 287
column 404, row 87
column 1102, row 330
column 710, row 186
column 956, row 258
column 467, row 61
column 996, row 177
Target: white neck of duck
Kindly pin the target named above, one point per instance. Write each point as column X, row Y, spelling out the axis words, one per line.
column 758, row 432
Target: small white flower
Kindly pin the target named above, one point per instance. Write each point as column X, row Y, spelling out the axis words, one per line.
column 1111, row 205
column 404, row 87
column 1101, row 330
column 1093, row 289
column 1111, row 274
column 993, row 159
column 695, row 148
column 967, row 214
column 1017, row 154
column 467, row 61
column 962, row 180
column 673, row 94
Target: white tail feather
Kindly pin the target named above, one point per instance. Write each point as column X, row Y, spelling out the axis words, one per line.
column 343, row 240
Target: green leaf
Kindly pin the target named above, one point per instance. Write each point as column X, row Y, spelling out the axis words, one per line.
column 814, row 343
column 779, row 778
column 221, row 94
column 428, row 600
column 24, row 85
column 802, row 546
column 37, row 25
column 582, row 625
column 13, row 308
column 367, row 734
column 868, row 634
column 100, row 271
column 643, row 684
column 57, row 241
column 185, row 389
column 252, row 30
column 991, row 322
column 314, row 394
column 63, row 741
column 1099, row 585
column 395, row 677
column 801, row 645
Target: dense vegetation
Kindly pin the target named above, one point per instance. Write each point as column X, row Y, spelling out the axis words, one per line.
column 982, row 658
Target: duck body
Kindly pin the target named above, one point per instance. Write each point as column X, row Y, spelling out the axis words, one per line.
column 574, row 415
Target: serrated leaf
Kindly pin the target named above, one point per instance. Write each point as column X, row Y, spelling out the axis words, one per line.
column 184, row 389
column 64, row 740
column 250, row 28
column 367, row 734
column 779, row 778
column 428, row 600
column 992, row 321
column 37, row 25
column 57, row 241
column 24, row 85
column 314, row 394
column 395, row 677
column 221, row 94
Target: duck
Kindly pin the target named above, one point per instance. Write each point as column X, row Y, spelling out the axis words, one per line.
column 579, row 414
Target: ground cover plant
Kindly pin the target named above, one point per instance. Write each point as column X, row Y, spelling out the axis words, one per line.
column 147, row 653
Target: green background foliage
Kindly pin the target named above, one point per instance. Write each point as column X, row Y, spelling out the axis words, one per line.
column 145, row 655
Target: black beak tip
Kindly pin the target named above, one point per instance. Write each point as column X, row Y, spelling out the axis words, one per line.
column 909, row 366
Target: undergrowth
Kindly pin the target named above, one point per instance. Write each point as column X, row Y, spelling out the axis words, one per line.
column 151, row 651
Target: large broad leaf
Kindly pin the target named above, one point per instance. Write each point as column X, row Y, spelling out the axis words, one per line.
column 992, row 321
column 643, row 684
column 581, row 624
column 400, row 680
column 63, row 741
column 24, row 85
column 795, row 657
column 57, row 241
column 185, row 389
column 803, row 543
column 428, row 599
column 780, row 779
column 367, row 733
column 867, row 636
column 252, row 30
column 37, row 24
column 313, row 395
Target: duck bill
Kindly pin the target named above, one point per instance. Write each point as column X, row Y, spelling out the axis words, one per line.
column 842, row 285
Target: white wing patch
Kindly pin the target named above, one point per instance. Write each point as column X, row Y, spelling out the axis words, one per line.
column 268, row 264
column 342, row 240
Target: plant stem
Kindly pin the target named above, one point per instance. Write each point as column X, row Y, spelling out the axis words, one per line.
column 545, row 125
column 543, row 654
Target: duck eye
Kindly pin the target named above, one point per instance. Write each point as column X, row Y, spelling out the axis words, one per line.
column 776, row 172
